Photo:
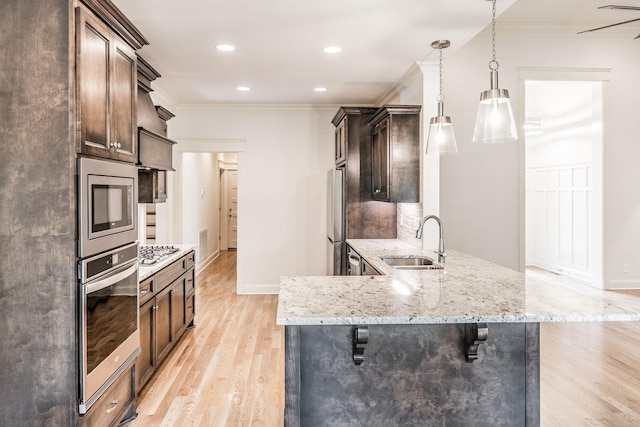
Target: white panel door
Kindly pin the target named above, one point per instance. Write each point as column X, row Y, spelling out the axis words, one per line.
column 232, row 206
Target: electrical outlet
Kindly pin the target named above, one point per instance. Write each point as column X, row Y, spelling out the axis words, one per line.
column 625, row 267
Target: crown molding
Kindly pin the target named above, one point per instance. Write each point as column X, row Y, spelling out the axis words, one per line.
column 408, row 78
column 260, row 107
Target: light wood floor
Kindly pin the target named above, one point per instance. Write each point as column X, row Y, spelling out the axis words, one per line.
column 228, row 371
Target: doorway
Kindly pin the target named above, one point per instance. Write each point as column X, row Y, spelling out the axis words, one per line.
column 563, row 177
column 228, row 208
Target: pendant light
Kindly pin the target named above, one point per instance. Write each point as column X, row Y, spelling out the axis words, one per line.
column 441, row 138
column 494, row 122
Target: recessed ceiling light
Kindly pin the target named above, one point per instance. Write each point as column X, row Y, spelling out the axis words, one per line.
column 244, row 88
column 332, row 49
column 320, row 89
column 225, row 48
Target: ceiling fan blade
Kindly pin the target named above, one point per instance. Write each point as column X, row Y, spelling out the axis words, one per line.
column 609, row 26
column 613, row 6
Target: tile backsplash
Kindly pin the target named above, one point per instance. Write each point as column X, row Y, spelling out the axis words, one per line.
column 409, row 217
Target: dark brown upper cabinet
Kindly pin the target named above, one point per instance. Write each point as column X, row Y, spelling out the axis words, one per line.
column 106, row 74
column 341, row 142
column 395, row 154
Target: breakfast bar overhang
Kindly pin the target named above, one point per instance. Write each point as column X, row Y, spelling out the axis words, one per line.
column 458, row 345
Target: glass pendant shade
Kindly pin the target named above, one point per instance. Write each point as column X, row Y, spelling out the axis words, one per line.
column 494, row 121
column 441, row 138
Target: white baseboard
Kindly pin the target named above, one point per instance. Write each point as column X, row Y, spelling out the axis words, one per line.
column 259, row 290
column 204, row 264
column 561, row 269
column 621, row 284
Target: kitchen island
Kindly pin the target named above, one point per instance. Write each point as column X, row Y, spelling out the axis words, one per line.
column 451, row 346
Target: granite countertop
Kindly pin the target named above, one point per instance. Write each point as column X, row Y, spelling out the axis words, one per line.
column 149, row 270
column 468, row 289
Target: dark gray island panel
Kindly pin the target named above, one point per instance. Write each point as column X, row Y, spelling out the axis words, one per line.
column 412, row 375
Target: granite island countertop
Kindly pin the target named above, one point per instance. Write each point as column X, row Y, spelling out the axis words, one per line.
column 466, row 290
column 149, row 270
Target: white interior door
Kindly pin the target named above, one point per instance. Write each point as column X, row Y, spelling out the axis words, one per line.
column 230, row 179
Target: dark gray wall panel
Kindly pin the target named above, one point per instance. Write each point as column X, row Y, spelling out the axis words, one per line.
column 413, row 375
column 37, row 226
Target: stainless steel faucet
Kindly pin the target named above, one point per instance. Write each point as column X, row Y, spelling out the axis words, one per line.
column 441, row 253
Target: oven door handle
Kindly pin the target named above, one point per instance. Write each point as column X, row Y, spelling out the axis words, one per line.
column 111, row 279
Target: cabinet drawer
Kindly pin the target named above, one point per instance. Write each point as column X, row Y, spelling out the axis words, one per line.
column 111, row 406
column 190, row 286
column 190, row 260
column 147, row 289
column 190, row 309
column 170, row 273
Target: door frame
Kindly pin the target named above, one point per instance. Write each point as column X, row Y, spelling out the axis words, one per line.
column 567, row 74
column 209, row 146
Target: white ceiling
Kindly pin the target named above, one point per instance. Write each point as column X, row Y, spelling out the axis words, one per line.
column 279, row 43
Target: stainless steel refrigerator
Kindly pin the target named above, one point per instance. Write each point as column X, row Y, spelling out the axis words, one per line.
column 336, row 222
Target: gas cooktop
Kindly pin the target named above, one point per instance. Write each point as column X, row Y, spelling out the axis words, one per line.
column 151, row 254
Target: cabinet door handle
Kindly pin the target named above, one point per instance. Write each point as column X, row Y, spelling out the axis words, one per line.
column 144, row 291
column 112, row 406
column 154, row 307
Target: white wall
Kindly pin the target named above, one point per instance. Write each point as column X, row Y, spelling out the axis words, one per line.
column 282, row 172
column 201, row 196
column 481, row 186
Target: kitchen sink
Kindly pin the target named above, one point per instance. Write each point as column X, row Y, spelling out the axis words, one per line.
column 411, row 262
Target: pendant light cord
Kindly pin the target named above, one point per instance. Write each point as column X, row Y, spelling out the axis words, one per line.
column 493, row 64
column 440, row 97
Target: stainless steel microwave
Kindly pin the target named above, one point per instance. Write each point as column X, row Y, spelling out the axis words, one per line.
column 107, row 205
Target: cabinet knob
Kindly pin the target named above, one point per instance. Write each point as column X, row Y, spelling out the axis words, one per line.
column 154, row 307
column 142, row 292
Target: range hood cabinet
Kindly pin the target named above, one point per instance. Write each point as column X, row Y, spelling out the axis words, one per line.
column 154, row 151
column 154, row 148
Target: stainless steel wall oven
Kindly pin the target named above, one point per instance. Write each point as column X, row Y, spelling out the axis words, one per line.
column 108, row 321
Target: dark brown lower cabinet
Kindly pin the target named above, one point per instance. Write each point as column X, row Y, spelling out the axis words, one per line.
column 164, row 335
column 166, row 316
column 146, row 361
column 115, row 404
column 178, row 324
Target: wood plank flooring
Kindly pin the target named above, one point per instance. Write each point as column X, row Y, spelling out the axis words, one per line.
column 228, row 371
